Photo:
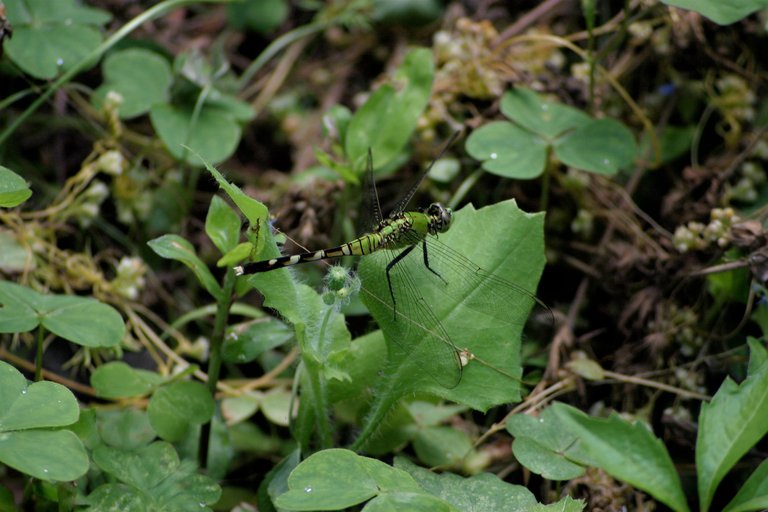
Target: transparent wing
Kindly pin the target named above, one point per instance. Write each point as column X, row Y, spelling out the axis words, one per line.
column 414, row 326
column 481, row 290
column 446, row 286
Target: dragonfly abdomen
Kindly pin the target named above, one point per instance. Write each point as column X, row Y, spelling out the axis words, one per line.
column 366, row 244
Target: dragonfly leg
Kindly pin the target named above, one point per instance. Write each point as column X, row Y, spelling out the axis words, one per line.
column 426, row 262
column 391, row 264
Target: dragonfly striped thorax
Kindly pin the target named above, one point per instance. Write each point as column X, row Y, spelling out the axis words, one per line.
column 399, row 231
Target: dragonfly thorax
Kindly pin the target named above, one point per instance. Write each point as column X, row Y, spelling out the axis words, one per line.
column 440, row 218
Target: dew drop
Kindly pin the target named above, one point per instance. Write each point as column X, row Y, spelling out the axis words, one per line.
column 45, row 470
column 307, row 489
column 241, row 356
column 23, row 391
column 606, row 161
column 59, row 61
column 545, row 107
column 494, row 156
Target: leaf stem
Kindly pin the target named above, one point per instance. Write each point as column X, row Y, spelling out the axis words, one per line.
column 39, row 353
column 214, row 360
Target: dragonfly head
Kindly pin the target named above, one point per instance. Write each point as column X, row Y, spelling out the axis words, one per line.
column 440, row 218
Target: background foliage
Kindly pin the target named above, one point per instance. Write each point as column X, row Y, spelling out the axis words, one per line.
column 146, row 149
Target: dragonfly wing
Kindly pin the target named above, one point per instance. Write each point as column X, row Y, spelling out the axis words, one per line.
column 410, row 321
column 483, row 291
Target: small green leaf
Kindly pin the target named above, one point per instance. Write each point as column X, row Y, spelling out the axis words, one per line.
column 141, row 77
column 176, row 248
column 429, row 414
column 542, row 461
column 50, row 455
column 241, row 251
column 722, row 13
column 17, row 311
column 256, row 213
column 38, row 405
column 222, row 225
column 441, row 446
column 13, row 188
column 626, row 451
column 155, row 478
column 603, row 146
column 259, row 337
column 173, row 409
column 80, row 320
column 546, row 118
column 586, row 368
column 14, row 257
column 262, row 17
column 566, row 504
column 118, row 380
column 674, row 141
column 729, row 425
column 478, row 493
column 239, row 408
column 50, row 37
column 386, row 121
column 753, row 495
column 126, row 429
column 275, row 404
column 336, row 479
column 545, row 447
column 508, row 150
column 214, row 134
column 758, row 354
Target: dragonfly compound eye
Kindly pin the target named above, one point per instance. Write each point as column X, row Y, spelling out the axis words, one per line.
column 441, row 217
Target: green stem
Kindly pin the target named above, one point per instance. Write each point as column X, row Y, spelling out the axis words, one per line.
column 154, row 12
column 320, row 389
column 214, row 361
column 39, row 354
column 276, row 46
column 386, row 397
column 544, row 198
column 464, row 188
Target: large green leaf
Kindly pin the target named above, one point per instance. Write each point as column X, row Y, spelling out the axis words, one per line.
column 729, row 425
column 508, row 245
column 626, row 451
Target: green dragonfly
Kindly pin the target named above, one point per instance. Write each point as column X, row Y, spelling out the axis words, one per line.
column 394, row 242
